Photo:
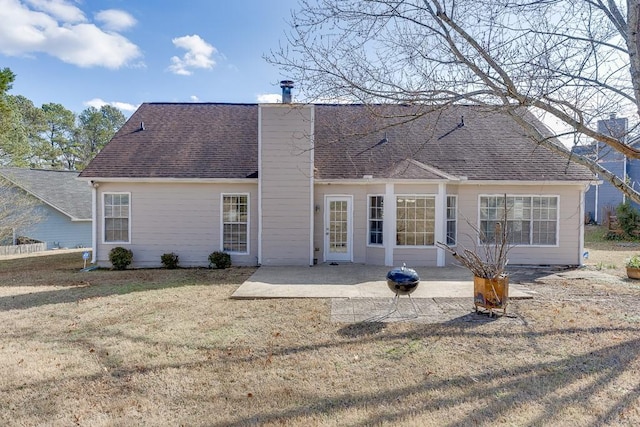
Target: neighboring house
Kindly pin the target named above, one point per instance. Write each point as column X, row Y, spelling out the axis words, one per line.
column 604, row 196
column 65, row 206
column 292, row 184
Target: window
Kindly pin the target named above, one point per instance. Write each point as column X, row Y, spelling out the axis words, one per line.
column 545, row 220
column 116, row 217
column 415, row 220
column 452, row 220
column 235, row 218
column 531, row 220
column 376, row 204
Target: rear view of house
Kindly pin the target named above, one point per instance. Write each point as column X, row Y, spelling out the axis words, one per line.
column 293, row 184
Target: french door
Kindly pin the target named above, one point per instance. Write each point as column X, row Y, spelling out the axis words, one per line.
column 338, row 226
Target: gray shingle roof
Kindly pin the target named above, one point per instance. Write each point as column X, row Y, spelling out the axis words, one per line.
column 59, row 189
column 182, row 141
column 464, row 141
column 220, row 141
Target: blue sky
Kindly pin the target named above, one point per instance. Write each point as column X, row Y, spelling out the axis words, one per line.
column 93, row 52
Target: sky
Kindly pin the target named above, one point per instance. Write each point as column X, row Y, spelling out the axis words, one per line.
column 82, row 53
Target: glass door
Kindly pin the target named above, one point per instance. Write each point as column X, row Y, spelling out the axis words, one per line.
column 338, row 228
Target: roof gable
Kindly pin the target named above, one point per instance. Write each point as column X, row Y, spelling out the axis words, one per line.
column 58, row 189
column 182, row 141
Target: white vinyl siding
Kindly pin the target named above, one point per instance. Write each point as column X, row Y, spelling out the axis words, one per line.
column 235, row 223
column 415, row 220
column 375, row 220
column 531, row 220
column 285, row 204
column 117, row 217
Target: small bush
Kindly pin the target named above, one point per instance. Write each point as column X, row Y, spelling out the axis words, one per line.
column 120, row 257
column 628, row 218
column 170, row 261
column 219, row 259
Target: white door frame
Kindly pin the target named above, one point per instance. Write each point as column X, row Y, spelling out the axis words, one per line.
column 335, row 256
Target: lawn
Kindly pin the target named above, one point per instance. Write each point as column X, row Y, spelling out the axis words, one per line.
column 168, row 347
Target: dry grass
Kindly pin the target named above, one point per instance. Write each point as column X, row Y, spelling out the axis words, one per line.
column 157, row 347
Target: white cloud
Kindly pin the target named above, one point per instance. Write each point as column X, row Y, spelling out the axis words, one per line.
column 60, row 29
column 115, row 20
column 194, row 98
column 199, row 55
column 269, row 98
column 59, row 9
column 122, row 106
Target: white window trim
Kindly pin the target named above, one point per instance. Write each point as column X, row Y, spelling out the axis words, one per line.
column 557, row 196
column 104, row 222
column 395, row 223
column 374, row 245
column 222, row 196
column 446, row 220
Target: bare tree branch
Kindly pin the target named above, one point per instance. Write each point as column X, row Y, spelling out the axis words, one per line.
column 575, row 60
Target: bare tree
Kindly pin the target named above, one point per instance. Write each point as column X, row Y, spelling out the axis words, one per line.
column 569, row 62
column 18, row 211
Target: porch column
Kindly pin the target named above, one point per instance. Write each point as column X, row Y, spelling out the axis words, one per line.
column 441, row 219
column 389, row 224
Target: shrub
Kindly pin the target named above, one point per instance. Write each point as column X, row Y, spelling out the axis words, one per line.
column 628, row 218
column 170, row 260
column 120, row 257
column 219, row 259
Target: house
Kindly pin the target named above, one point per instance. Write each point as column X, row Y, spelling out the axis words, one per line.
column 293, row 184
column 65, row 206
column 603, row 196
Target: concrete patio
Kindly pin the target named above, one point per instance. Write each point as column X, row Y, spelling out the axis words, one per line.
column 361, row 281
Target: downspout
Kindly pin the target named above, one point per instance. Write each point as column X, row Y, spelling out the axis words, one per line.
column 259, row 185
column 94, row 221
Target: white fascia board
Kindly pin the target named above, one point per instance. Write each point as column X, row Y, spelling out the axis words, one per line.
column 368, row 181
column 177, row 180
column 527, row 183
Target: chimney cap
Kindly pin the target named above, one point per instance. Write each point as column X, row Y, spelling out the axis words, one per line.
column 286, row 84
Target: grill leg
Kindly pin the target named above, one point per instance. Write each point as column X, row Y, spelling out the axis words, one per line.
column 413, row 304
column 394, row 309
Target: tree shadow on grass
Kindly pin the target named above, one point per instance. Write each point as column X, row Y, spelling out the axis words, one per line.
column 554, row 385
column 119, row 283
column 76, row 294
column 494, row 393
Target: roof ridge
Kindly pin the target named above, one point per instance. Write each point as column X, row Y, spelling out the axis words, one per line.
column 434, row 170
